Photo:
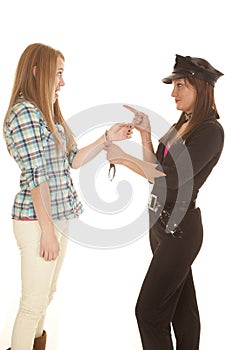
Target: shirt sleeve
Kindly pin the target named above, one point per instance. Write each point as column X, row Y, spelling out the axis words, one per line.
column 72, row 154
column 202, row 148
column 27, row 139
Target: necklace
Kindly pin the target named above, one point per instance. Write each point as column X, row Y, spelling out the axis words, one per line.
column 187, row 117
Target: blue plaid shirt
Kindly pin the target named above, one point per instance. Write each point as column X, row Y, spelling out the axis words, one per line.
column 33, row 147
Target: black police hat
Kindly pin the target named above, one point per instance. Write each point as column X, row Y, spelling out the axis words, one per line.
column 186, row 66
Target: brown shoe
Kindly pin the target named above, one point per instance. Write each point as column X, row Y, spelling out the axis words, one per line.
column 40, row 342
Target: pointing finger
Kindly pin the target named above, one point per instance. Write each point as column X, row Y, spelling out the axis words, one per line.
column 131, row 109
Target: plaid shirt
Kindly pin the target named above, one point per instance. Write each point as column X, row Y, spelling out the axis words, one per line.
column 32, row 145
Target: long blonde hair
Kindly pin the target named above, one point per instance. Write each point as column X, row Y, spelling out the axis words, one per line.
column 39, row 88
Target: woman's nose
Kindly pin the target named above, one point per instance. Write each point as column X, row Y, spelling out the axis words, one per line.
column 173, row 94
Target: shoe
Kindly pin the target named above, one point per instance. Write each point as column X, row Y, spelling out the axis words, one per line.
column 40, row 342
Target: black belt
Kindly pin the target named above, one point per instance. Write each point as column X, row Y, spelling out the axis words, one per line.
column 154, row 204
column 180, row 205
column 165, row 214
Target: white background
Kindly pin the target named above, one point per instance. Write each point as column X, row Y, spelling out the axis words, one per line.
column 118, row 52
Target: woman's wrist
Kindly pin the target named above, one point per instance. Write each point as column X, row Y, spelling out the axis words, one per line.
column 146, row 137
column 106, row 136
column 48, row 231
column 146, row 142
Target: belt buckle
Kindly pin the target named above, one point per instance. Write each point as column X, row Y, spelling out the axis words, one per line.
column 153, row 203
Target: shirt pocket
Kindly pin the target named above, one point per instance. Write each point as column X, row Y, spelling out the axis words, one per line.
column 47, row 137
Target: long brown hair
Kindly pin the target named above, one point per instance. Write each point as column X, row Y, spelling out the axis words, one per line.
column 39, row 88
column 204, row 108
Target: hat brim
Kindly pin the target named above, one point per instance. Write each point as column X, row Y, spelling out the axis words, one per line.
column 174, row 76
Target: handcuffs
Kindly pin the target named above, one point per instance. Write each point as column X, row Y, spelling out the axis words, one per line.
column 111, row 171
column 112, row 167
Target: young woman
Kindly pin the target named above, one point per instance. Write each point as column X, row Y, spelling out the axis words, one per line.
column 44, row 147
column 186, row 156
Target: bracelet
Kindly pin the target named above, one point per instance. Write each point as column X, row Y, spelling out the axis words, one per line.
column 146, row 142
column 106, row 136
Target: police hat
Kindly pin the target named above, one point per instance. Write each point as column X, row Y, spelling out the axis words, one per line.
column 187, row 66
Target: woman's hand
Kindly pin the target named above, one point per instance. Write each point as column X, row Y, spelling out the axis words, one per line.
column 140, row 121
column 115, row 154
column 49, row 246
column 119, row 131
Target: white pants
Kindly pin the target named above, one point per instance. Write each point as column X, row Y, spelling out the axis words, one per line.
column 39, row 279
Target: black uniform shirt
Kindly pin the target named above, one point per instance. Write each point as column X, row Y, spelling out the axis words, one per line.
column 189, row 162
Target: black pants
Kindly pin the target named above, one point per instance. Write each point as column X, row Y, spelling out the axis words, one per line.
column 168, row 295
